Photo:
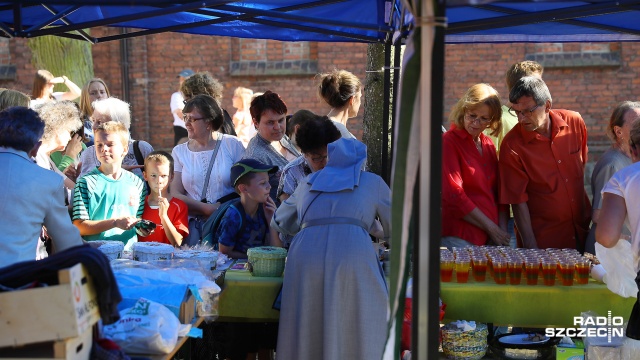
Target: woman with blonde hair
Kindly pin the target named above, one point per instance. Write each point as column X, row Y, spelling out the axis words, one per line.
column 343, row 92
column 470, row 211
column 242, row 118
column 95, row 89
column 43, row 84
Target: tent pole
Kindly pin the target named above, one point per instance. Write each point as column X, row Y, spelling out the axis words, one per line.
column 384, row 169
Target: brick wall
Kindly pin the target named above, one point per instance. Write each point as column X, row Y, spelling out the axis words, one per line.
column 589, row 82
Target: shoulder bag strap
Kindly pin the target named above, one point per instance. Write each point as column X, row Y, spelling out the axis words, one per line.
column 138, row 153
column 213, row 159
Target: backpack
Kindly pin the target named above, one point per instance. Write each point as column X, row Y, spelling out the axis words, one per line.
column 212, row 224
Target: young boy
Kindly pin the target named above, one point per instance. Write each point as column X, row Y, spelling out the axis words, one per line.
column 250, row 178
column 168, row 213
column 108, row 201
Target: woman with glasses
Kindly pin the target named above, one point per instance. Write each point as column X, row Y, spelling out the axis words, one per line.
column 202, row 164
column 470, row 211
column 112, row 109
column 617, row 157
column 271, row 146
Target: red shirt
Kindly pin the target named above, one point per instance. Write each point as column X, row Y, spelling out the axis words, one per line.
column 178, row 214
column 548, row 174
column 469, row 180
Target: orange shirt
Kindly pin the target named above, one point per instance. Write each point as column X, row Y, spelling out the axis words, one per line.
column 548, row 174
column 469, row 180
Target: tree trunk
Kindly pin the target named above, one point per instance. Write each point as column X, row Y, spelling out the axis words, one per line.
column 62, row 56
column 373, row 109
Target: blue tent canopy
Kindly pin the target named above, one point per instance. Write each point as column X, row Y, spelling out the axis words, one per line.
column 549, row 21
column 287, row 20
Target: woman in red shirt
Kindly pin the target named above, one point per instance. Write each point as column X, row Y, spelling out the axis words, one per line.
column 470, row 212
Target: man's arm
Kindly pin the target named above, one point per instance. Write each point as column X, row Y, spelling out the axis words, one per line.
column 523, row 222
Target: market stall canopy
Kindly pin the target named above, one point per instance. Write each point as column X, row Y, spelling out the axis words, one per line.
column 287, row 20
column 542, row 21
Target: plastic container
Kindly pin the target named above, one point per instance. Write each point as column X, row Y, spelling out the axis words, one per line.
column 112, row 249
column 206, row 258
column 468, row 345
column 150, row 251
column 266, row 261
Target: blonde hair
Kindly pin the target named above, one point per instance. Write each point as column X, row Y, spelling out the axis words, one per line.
column 114, row 109
column 337, row 87
column 57, row 116
column 476, row 95
column 201, row 83
column 41, row 80
column 159, row 157
column 246, row 95
column 520, row 70
column 116, row 128
column 85, row 99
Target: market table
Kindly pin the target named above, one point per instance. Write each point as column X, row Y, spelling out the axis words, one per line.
column 530, row 305
column 248, row 298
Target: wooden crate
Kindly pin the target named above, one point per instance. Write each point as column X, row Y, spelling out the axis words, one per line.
column 49, row 313
column 76, row 348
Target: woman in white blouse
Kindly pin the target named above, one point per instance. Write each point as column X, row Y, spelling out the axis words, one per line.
column 203, row 118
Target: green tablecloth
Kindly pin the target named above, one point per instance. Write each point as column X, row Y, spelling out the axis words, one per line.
column 248, row 298
column 530, row 306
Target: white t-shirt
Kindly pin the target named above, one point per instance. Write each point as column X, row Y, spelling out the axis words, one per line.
column 35, row 102
column 194, row 165
column 626, row 183
column 177, row 102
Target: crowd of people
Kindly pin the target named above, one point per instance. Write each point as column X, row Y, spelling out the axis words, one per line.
column 74, row 174
column 512, row 176
column 524, row 164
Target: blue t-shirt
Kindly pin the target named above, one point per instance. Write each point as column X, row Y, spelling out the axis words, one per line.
column 252, row 234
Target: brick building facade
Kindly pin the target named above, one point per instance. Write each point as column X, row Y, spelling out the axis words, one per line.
column 590, row 78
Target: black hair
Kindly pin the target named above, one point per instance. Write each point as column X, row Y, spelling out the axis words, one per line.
column 316, row 133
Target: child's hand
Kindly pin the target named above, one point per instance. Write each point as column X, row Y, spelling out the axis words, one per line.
column 269, row 209
column 163, row 207
column 71, row 172
column 126, row 222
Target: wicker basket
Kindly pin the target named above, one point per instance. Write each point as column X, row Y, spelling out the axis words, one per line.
column 266, row 261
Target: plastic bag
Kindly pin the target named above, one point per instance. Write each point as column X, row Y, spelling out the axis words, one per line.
column 145, row 328
column 621, row 264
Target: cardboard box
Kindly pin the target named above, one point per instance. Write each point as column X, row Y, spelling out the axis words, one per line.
column 58, row 312
column 76, row 348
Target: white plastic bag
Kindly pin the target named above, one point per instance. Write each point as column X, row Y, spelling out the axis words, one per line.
column 145, row 328
column 621, row 264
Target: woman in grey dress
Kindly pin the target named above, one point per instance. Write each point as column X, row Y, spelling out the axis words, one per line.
column 615, row 158
column 334, row 296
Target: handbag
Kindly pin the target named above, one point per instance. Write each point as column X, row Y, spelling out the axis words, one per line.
column 196, row 222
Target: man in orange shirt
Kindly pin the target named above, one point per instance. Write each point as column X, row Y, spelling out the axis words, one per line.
column 542, row 170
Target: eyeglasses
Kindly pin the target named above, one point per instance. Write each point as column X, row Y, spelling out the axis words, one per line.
column 476, row 119
column 188, row 119
column 524, row 113
column 317, row 158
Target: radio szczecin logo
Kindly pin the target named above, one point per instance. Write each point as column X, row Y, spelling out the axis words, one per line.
column 596, row 326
